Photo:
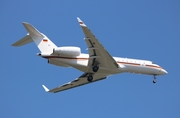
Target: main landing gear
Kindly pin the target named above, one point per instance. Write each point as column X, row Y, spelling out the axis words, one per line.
column 90, row 78
column 95, row 68
column 154, row 81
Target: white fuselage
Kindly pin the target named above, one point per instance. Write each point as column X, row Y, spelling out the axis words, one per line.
column 97, row 65
column 125, row 65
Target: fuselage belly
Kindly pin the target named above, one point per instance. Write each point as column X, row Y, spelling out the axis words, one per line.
column 125, row 65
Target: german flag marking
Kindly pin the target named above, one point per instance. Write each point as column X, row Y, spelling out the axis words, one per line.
column 45, row 40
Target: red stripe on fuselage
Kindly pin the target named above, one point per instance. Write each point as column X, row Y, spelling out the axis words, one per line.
column 49, row 57
column 74, row 58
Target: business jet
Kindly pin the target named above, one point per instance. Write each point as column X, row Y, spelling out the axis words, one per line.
column 97, row 65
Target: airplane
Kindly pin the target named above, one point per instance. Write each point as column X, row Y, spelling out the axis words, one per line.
column 97, row 65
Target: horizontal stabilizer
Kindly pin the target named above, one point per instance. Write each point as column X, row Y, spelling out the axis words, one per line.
column 27, row 39
column 45, row 88
column 44, row 44
column 32, row 30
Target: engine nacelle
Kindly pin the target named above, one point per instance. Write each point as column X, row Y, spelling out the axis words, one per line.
column 67, row 51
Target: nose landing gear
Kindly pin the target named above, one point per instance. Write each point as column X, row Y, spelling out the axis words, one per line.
column 154, row 81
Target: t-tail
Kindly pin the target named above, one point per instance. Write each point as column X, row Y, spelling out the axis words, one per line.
column 44, row 44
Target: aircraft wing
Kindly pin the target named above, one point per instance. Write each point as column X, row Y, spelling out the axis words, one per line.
column 82, row 80
column 98, row 55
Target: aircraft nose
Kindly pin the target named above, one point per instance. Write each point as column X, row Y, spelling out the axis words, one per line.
column 163, row 72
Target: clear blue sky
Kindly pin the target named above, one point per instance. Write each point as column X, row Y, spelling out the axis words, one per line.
column 140, row 29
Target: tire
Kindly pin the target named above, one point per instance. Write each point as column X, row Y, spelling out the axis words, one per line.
column 154, row 81
column 95, row 68
column 90, row 78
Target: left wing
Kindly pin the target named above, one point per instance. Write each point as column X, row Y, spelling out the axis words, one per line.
column 82, row 80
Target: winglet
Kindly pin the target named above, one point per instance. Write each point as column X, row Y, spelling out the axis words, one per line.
column 45, row 88
column 81, row 22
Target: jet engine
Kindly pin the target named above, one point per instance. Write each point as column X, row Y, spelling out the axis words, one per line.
column 67, row 51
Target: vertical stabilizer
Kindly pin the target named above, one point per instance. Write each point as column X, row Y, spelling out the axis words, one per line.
column 44, row 44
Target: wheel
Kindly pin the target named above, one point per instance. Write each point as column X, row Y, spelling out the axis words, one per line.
column 90, row 78
column 154, row 81
column 95, row 68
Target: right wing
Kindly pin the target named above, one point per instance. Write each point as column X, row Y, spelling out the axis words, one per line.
column 82, row 80
column 98, row 55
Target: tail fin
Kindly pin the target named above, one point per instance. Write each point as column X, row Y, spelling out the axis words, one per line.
column 44, row 44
